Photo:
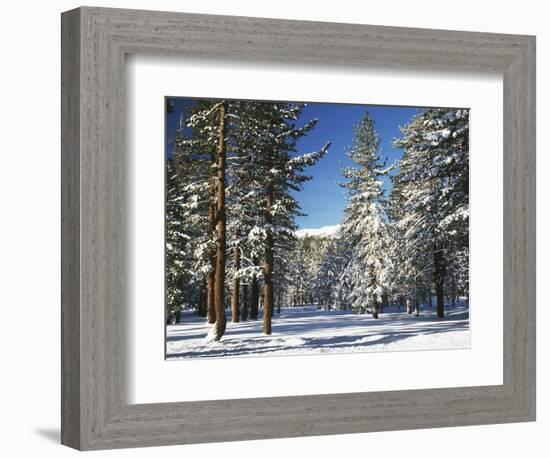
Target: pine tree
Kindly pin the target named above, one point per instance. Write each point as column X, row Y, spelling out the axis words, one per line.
column 277, row 172
column 198, row 148
column 226, row 129
column 433, row 183
column 364, row 225
column 219, row 280
column 280, row 173
column 208, row 124
column 177, row 245
column 327, row 274
column 186, row 224
column 244, row 170
column 244, row 199
column 344, row 283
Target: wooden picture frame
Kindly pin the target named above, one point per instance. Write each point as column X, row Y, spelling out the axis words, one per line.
column 95, row 413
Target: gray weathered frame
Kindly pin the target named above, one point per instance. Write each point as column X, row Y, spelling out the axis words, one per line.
column 95, row 414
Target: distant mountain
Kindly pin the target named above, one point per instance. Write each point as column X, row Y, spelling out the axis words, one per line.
column 325, row 231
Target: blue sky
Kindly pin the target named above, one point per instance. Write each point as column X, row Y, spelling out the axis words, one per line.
column 322, row 199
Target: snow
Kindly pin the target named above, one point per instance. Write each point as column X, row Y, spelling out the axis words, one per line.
column 308, row 330
column 211, row 336
column 325, row 231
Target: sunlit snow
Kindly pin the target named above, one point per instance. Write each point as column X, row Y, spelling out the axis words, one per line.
column 309, row 330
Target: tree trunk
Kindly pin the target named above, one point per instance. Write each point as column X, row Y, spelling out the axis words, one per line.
column 373, row 284
column 236, row 285
column 244, row 308
column 203, row 298
column 439, row 278
column 255, row 295
column 385, row 301
column 453, row 291
column 375, row 307
column 268, row 264
column 219, row 281
column 211, row 310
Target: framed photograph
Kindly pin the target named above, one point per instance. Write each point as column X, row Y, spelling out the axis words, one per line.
column 337, row 259
column 277, row 228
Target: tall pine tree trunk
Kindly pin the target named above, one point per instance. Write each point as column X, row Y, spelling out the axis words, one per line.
column 244, row 308
column 374, row 286
column 268, row 264
column 202, row 298
column 254, row 295
column 236, row 285
column 385, row 302
column 453, row 291
column 211, row 310
column 439, row 279
column 219, row 281
column 375, row 307
column 439, row 265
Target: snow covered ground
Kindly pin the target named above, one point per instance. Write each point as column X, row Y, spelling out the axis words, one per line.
column 307, row 330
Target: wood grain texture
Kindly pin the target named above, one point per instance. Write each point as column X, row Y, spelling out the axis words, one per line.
column 70, row 229
column 95, row 413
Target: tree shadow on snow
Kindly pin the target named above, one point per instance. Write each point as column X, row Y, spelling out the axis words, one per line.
column 254, row 347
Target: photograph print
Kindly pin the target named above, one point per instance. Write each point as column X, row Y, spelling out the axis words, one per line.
column 301, row 228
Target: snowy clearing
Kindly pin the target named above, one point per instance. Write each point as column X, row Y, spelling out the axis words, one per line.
column 308, row 330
